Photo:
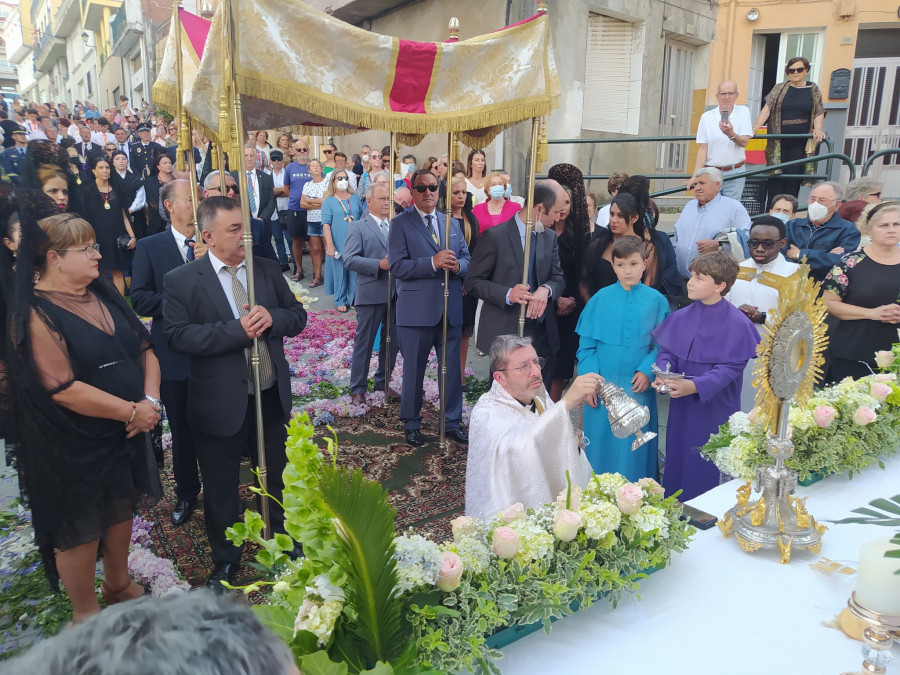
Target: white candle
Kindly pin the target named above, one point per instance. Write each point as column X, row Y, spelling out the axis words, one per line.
column 878, row 588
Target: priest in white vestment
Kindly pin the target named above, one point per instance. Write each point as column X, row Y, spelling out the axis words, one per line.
column 757, row 296
column 520, row 443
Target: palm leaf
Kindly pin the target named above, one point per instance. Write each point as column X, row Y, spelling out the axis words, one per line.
column 884, row 512
column 364, row 520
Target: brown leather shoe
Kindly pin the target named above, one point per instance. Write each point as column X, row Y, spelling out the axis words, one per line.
column 358, row 399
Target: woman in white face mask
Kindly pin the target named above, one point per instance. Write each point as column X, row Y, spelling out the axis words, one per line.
column 339, row 208
column 498, row 208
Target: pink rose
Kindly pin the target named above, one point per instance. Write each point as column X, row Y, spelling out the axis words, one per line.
column 450, row 572
column 864, row 415
column 824, row 416
column 513, row 513
column 629, row 498
column 885, row 377
column 574, row 499
column 505, row 542
column 566, row 525
column 884, row 358
column 462, row 526
column 880, row 391
column 755, row 416
column 652, row 487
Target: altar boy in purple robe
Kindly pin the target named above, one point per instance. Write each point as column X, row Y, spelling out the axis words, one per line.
column 710, row 342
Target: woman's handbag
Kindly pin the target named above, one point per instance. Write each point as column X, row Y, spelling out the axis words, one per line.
column 123, row 241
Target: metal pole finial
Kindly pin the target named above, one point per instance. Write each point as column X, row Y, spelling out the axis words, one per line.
column 542, row 7
column 453, row 27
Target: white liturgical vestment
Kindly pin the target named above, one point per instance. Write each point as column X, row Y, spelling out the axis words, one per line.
column 517, row 455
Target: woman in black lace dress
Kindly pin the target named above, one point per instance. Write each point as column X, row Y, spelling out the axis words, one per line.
column 87, row 388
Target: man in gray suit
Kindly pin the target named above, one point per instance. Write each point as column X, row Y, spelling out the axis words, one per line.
column 418, row 255
column 495, row 276
column 366, row 253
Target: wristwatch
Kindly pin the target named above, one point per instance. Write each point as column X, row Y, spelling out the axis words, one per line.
column 155, row 401
column 549, row 290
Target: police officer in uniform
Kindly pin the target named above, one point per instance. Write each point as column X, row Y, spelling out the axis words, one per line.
column 13, row 158
column 141, row 154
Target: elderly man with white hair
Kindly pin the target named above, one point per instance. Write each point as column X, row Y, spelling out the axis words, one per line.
column 822, row 237
column 704, row 217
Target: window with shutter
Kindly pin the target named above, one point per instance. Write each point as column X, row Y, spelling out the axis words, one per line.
column 612, row 77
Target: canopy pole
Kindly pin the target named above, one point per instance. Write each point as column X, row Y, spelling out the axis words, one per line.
column 388, row 361
column 443, row 410
column 192, row 170
column 185, row 135
column 529, row 217
column 238, row 156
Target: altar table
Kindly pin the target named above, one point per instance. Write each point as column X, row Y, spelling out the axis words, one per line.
column 716, row 610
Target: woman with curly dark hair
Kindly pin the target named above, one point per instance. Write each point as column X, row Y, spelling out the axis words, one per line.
column 572, row 229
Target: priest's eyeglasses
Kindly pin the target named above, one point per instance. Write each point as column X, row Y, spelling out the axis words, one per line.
column 766, row 244
column 527, row 366
column 90, row 250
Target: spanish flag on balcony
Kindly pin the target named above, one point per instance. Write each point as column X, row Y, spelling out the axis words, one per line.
column 340, row 78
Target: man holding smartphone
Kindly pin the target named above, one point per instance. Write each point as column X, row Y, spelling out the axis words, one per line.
column 722, row 134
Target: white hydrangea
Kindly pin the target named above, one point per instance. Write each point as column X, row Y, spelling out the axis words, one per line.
column 734, row 460
column 739, row 423
column 418, row 562
column 650, row 518
column 475, row 555
column 801, row 418
column 599, row 518
column 318, row 618
column 535, row 542
column 605, row 485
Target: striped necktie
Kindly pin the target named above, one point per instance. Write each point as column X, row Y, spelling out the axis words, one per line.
column 241, row 299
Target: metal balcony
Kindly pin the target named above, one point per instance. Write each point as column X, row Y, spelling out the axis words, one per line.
column 124, row 34
column 48, row 51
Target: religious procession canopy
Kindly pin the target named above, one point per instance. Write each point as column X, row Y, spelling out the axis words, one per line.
column 341, row 79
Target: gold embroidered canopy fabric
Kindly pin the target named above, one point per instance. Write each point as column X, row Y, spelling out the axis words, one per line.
column 344, row 78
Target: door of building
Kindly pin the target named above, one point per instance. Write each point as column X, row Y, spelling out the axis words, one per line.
column 873, row 119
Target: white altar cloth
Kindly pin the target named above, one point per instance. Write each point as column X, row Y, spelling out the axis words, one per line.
column 717, row 610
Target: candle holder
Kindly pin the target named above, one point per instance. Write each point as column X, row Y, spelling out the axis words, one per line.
column 878, row 638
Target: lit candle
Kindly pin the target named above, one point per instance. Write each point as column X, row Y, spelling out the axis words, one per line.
column 878, row 588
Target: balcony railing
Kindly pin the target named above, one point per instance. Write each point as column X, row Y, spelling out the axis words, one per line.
column 118, row 26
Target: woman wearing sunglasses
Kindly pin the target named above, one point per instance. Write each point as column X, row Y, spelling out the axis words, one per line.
column 792, row 107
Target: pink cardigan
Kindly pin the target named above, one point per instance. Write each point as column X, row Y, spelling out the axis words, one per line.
column 486, row 219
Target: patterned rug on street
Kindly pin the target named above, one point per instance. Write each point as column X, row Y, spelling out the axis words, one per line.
column 426, row 486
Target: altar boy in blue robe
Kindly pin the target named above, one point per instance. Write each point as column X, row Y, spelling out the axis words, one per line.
column 616, row 329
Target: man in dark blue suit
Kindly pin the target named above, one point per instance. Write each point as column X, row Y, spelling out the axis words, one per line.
column 418, row 254
column 154, row 257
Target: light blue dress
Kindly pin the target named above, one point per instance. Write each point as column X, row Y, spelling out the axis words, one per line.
column 339, row 281
column 616, row 341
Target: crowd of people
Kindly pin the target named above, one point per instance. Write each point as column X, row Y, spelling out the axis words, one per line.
column 94, row 210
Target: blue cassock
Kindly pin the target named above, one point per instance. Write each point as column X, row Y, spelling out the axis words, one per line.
column 616, row 329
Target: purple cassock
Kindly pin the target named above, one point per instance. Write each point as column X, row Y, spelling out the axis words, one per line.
column 712, row 344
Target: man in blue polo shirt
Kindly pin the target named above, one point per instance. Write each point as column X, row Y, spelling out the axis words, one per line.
column 296, row 175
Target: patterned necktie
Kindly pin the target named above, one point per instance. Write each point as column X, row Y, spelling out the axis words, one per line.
column 384, row 229
column 251, row 193
column 189, row 253
column 241, row 299
column 432, row 230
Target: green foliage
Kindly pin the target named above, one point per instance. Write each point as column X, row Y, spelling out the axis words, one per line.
column 452, row 628
column 364, row 520
column 326, row 390
column 884, row 512
column 475, row 388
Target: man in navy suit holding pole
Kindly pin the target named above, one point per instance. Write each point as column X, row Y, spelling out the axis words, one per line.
column 418, row 254
column 154, row 257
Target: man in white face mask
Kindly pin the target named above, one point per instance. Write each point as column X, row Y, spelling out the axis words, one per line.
column 822, row 237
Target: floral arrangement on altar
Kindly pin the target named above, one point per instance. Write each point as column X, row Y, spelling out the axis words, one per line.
column 842, row 428
column 365, row 600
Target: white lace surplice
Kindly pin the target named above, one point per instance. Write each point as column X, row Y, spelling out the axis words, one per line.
column 516, row 455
